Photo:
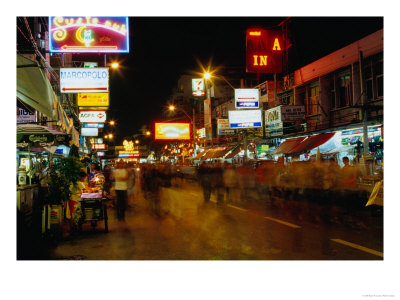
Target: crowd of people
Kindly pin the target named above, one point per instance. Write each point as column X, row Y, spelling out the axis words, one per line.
column 323, row 182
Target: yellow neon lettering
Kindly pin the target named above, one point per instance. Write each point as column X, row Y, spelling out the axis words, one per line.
column 255, row 60
column 276, row 45
column 263, row 60
column 258, row 33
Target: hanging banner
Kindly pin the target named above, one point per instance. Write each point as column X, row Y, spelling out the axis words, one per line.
column 89, row 34
column 94, row 99
column 92, row 116
column 83, row 80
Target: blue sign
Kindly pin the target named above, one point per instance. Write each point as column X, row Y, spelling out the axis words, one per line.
column 245, row 125
column 93, row 125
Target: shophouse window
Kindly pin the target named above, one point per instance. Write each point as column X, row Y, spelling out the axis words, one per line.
column 313, row 100
column 368, row 81
column 332, row 92
column 379, row 78
column 344, row 89
column 286, row 98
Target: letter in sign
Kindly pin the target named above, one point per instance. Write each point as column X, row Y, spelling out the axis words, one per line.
column 263, row 51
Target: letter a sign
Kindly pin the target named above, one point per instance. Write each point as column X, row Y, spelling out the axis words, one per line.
column 263, row 51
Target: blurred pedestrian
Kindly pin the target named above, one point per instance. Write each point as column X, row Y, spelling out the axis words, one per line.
column 204, row 174
column 121, row 177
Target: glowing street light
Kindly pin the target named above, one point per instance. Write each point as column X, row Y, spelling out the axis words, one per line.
column 148, row 132
column 171, row 108
column 136, row 141
column 207, row 75
column 115, row 65
column 112, row 123
column 110, row 136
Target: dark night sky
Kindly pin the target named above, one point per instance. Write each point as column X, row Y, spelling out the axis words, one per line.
column 162, row 48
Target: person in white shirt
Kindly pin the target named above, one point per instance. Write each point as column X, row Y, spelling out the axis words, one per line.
column 121, row 176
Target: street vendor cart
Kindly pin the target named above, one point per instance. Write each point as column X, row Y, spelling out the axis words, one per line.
column 93, row 209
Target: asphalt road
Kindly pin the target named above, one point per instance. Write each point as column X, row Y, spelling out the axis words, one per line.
column 243, row 229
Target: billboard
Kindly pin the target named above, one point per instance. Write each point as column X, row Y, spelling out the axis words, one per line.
column 245, row 118
column 94, row 99
column 198, row 87
column 263, row 51
column 92, row 116
column 89, row 34
column 172, row 131
column 224, row 128
column 246, row 98
column 83, row 80
column 89, row 131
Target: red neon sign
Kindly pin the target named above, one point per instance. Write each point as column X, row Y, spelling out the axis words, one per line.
column 89, row 34
column 263, row 51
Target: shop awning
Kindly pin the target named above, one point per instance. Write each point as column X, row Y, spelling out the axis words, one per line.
column 220, row 152
column 311, row 142
column 38, row 135
column 209, row 154
column 199, row 155
column 287, row 146
column 233, row 152
column 33, row 87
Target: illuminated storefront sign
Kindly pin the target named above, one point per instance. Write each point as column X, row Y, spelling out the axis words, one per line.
column 245, row 118
column 93, row 125
column 89, row 34
column 94, row 99
column 89, row 131
column 246, row 98
column 172, row 131
column 84, row 80
column 127, row 155
column 99, row 146
column 263, row 51
column 100, row 153
column 92, row 116
column 198, row 87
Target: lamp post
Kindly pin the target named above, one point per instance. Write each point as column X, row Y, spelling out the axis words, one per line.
column 192, row 120
column 207, row 76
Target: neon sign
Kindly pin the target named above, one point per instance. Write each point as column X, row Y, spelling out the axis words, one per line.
column 89, row 34
column 263, row 51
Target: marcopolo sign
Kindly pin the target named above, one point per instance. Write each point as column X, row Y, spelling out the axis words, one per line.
column 88, row 34
column 83, row 80
column 92, row 116
column 246, row 98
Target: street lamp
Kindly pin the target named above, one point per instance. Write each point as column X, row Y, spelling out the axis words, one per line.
column 112, row 123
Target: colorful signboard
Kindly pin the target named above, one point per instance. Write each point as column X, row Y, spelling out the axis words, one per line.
column 172, row 131
column 246, row 98
column 92, row 116
column 245, row 118
column 89, row 131
column 88, row 64
column 84, row 80
column 100, row 153
column 94, row 99
column 224, row 128
column 89, row 34
column 263, row 51
column 198, row 87
column 24, row 116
